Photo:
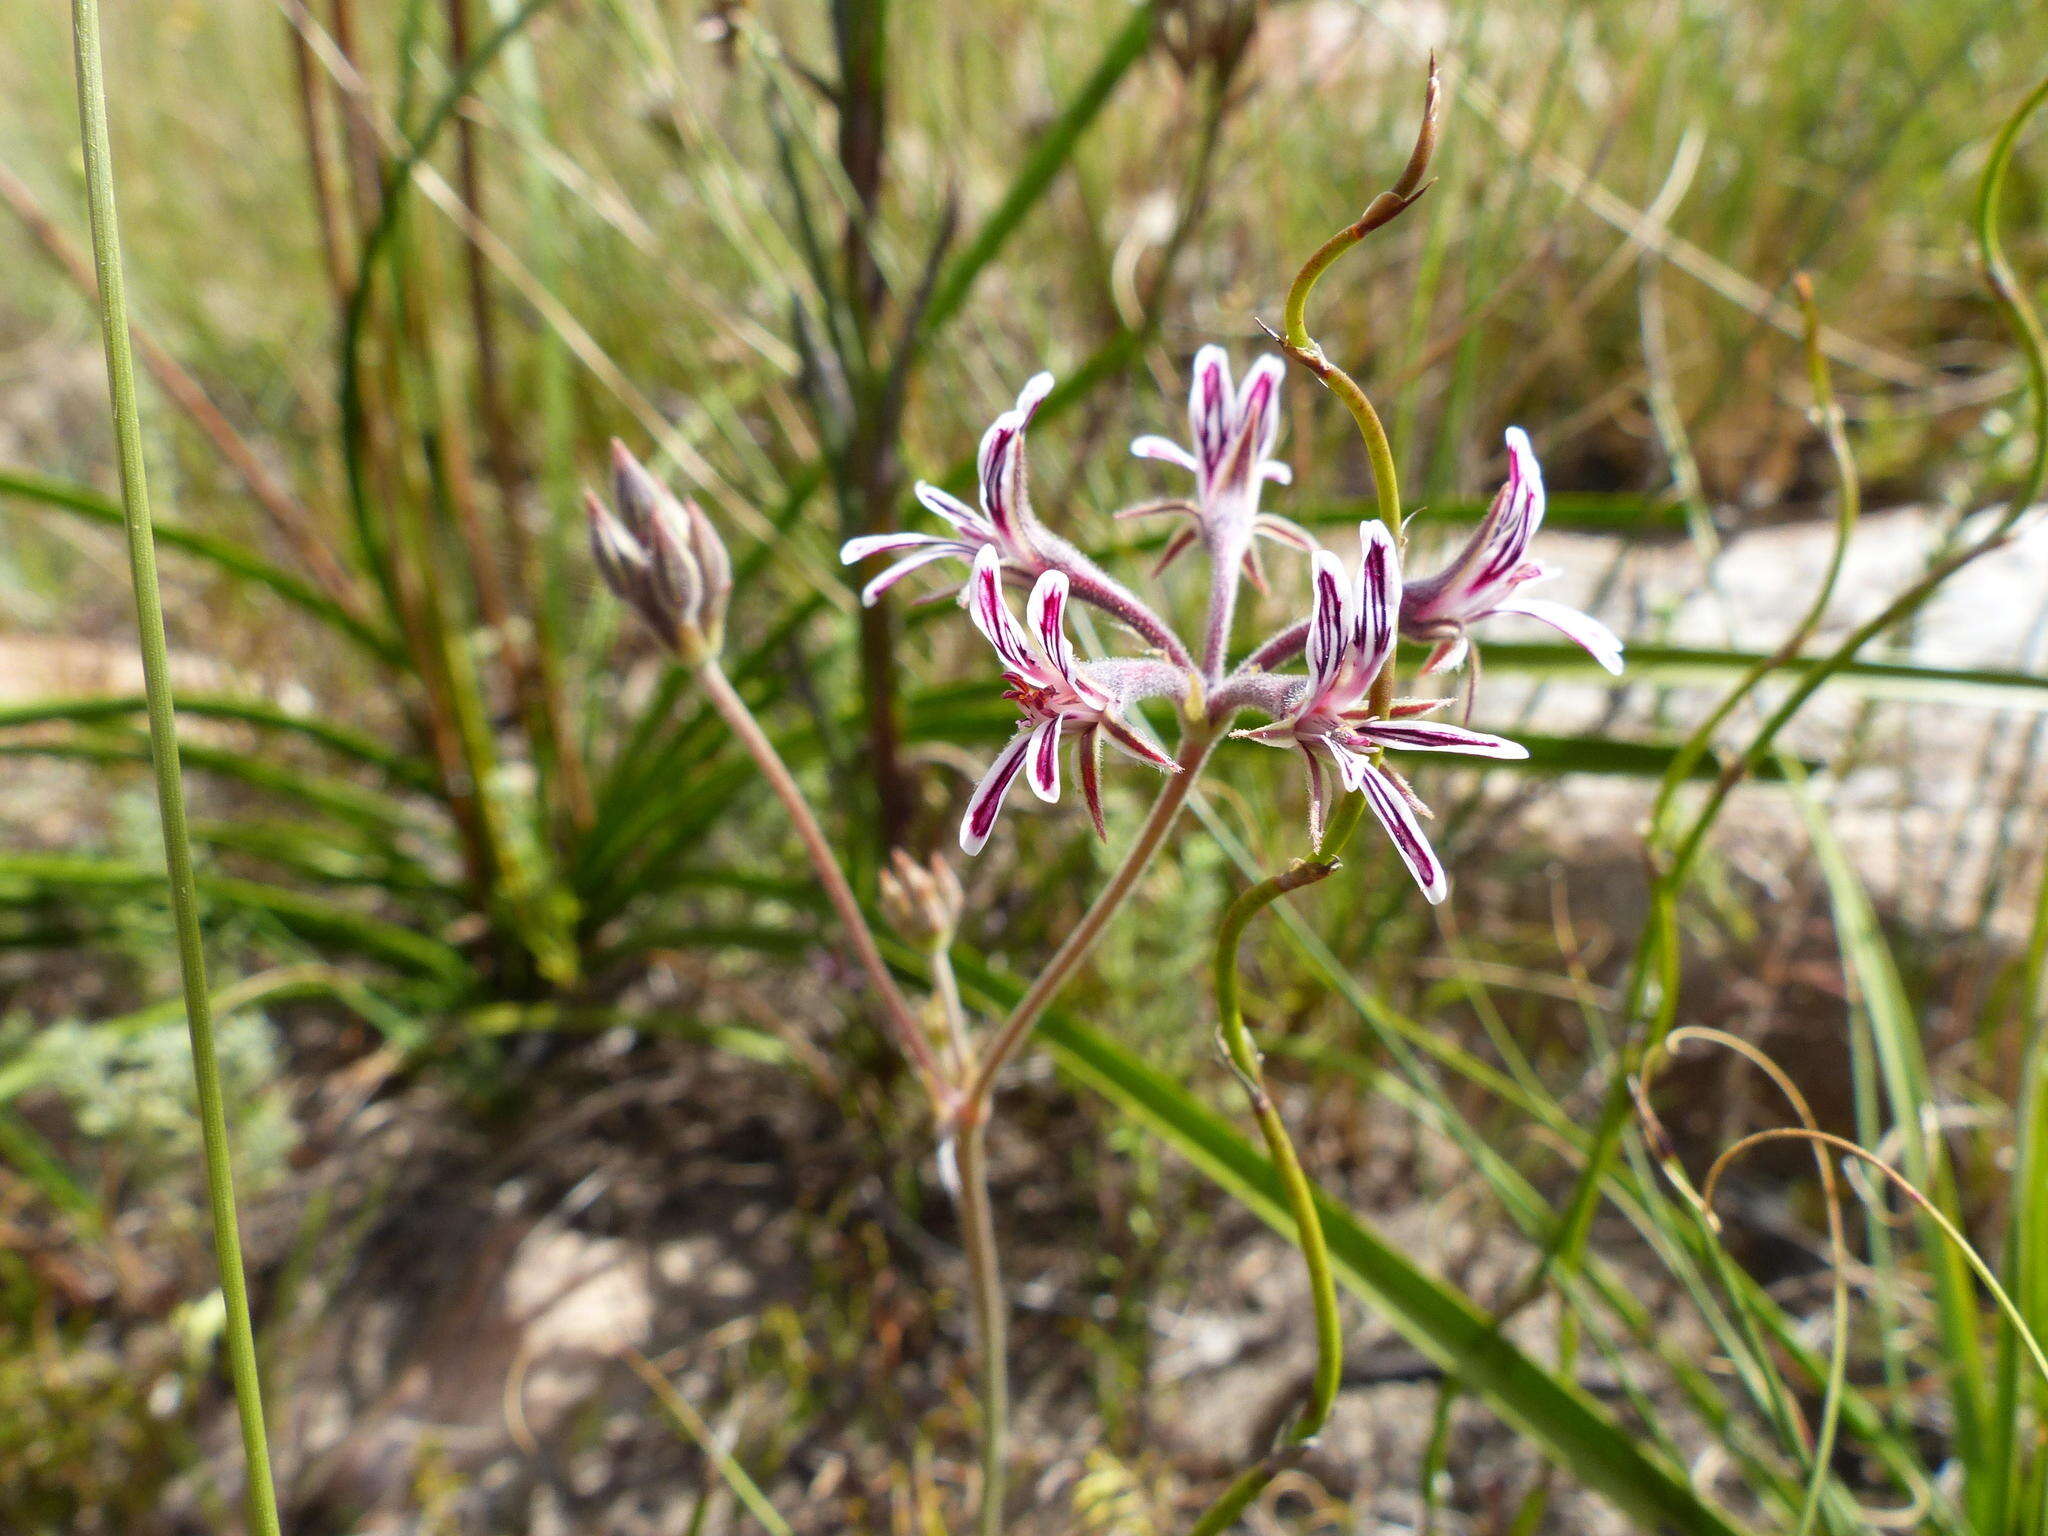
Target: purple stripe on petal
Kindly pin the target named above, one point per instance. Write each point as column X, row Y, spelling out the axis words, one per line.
column 1378, row 600
column 998, row 445
column 1392, row 809
column 1328, row 621
column 944, row 504
column 853, row 551
column 1436, row 737
column 987, row 799
column 992, row 616
column 1258, row 405
column 1042, row 762
column 1209, row 405
column 872, row 592
column 1601, row 643
column 1045, row 615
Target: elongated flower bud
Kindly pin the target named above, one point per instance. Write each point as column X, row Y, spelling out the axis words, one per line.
column 921, row 901
column 662, row 555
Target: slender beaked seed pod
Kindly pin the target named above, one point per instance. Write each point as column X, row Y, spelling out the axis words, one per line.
column 661, row 554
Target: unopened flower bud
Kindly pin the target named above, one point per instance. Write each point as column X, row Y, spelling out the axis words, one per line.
column 662, row 556
column 922, row 901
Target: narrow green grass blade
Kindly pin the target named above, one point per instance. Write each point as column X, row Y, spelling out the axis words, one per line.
column 253, row 712
column 26, row 875
column 1436, row 1318
column 1894, row 1028
column 346, row 801
column 1051, row 152
column 223, row 554
column 1988, row 687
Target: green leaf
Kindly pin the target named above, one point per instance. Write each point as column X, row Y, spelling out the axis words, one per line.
column 28, row 875
column 339, row 739
column 1434, row 1317
column 1991, row 687
column 224, row 554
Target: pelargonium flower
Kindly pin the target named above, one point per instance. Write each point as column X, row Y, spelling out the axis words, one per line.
column 1485, row 577
column 1234, row 430
column 1004, row 523
column 1330, row 716
column 1057, row 694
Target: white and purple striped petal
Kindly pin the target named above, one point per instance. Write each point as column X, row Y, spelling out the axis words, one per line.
column 1045, row 620
column 944, row 504
column 992, row 616
column 1329, row 625
column 1042, row 761
column 1210, row 407
column 1395, row 814
column 1377, row 603
column 1433, row 736
column 1601, row 643
column 944, row 549
column 987, row 799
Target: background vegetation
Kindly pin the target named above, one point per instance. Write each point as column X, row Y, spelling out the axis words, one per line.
column 546, row 1060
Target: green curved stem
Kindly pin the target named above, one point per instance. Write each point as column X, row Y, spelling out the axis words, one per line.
column 1295, row 1187
column 163, row 742
column 1294, row 336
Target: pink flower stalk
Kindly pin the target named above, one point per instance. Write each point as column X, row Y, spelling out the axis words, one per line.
column 1483, row 580
column 1057, row 695
column 1330, row 716
column 1004, row 523
column 1234, row 430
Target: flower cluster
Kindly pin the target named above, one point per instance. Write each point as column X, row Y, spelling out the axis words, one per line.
column 1341, row 715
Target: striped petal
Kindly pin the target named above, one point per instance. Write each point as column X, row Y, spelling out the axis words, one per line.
column 1398, row 817
column 942, row 503
column 1601, row 643
column 1045, row 620
column 1210, row 406
column 1042, row 761
column 1277, row 472
column 1433, row 736
column 1258, row 408
column 987, row 799
column 1329, row 621
column 943, row 550
column 1378, row 600
column 992, row 616
column 853, row 551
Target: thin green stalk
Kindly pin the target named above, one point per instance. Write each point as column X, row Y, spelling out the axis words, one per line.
column 991, row 1324
column 1298, row 1192
column 163, row 738
column 1660, row 944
